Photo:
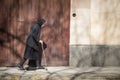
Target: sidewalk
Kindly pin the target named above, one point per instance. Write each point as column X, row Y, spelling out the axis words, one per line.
column 61, row 73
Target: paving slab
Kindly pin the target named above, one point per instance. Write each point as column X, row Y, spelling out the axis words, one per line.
column 61, row 73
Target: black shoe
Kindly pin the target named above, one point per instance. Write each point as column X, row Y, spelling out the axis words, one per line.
column 30, row 68
column 40, row 67
column 21, row 67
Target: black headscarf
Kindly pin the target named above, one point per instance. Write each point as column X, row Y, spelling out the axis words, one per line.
column 40, row 21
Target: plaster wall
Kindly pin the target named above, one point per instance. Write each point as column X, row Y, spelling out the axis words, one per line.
column 94, row 33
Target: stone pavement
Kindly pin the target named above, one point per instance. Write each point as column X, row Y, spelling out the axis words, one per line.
column 61, row 73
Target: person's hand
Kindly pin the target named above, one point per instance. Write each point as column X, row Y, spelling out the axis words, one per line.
column 40, row 41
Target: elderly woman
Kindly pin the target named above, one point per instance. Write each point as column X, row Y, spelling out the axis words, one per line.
column 32, row 51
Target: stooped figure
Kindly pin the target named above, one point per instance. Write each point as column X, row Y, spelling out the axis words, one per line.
column 32, row 51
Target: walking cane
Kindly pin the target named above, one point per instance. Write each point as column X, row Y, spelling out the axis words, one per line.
column 44, row 57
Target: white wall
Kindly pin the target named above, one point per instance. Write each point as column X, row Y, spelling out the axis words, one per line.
column 95, row 33
column 96, row 22
column 80, row 24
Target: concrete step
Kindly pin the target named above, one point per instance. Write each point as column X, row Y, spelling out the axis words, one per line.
column 61, row 73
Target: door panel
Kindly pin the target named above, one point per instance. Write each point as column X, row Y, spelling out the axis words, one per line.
column 16, row 18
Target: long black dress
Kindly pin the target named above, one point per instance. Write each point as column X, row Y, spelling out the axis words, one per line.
column 32, row 42
column 32, row 63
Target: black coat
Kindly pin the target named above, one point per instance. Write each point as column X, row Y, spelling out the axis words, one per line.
column 32, row 42
column 34, row 37
column 32, row 54
column 32, row 62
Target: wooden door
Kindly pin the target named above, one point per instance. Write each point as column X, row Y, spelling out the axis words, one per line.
column 16, row 18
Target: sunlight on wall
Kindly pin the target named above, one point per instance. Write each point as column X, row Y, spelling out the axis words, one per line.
column 94, row 33
column 97, row 22
column 80, row 24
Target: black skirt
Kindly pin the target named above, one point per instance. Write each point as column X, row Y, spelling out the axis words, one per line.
column 31, row 53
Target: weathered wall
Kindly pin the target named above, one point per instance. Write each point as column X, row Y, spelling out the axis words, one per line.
column 16, row 18
column 105, row 22
column 94, row 33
